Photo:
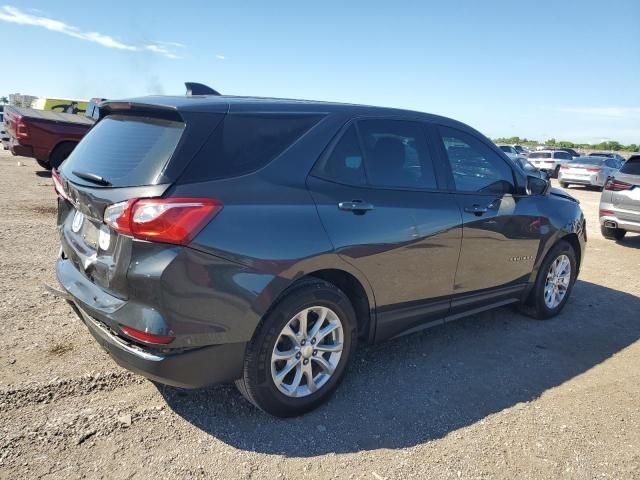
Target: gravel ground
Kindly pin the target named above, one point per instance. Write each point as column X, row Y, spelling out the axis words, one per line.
column 493, row 395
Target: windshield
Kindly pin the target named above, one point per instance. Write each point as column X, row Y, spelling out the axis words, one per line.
column 125, row 150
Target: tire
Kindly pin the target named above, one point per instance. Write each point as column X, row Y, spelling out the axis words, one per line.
column 258, row 384
column 564, row 184
column 44, row 164
column 613, row 233
column 536, row 305
column 60, row 153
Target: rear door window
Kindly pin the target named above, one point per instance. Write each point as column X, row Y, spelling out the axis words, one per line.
column 397, row 154
column 243, row 143
column 345, row 164
column 475, row 166
column 125, row 150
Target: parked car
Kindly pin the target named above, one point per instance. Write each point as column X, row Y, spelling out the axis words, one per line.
column 549, row 160
column 589, row 171
column 4, row 136
column 523, row 151
column 258, row 240
column 570, row 151
column 529, row 169
column 45, row 135
column 620, row 201
column 511, row 152
column 615, row 156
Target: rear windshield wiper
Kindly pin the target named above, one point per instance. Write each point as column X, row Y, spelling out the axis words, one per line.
column 92, row 177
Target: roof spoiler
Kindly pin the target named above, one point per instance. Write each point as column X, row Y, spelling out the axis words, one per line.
column 194, row 88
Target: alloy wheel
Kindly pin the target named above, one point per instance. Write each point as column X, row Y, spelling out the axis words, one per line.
column 307, row 351
column 557, row 282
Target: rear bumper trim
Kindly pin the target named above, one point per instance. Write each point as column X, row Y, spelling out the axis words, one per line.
column 180, row 367
column 196, row 368
column 621, row 223
column 57, row 292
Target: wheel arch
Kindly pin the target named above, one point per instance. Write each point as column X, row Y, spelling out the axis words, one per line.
column 572, row 239
column 61, row 144
column 352, row 283
column 357, row 294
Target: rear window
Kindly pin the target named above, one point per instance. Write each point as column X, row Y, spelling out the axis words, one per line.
column 632, row 166
column 505, row 148
column 540, row 155
column 589, row 161
column 125, row 150
column 243, row 143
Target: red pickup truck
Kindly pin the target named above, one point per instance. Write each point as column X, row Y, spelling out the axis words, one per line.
column 47, row 136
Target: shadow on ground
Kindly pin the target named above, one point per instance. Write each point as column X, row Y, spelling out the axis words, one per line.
column 44, row 173
column 418, row 388
column 630, row 240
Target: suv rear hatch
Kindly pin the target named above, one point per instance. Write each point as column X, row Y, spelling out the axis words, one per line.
column 625, row 189
column 135, row 151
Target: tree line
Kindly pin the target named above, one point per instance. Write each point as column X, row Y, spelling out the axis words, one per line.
column 552, row 142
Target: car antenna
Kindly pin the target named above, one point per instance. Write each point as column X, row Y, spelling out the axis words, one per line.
column 194, row 88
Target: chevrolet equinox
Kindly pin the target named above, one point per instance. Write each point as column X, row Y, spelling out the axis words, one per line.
column 210, row 239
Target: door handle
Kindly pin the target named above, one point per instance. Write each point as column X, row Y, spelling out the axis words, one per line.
column 355, row 206
column 476, row 209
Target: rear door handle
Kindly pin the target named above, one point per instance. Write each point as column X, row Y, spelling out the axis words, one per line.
column 355, row 206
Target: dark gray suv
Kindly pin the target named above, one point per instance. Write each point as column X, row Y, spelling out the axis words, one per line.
column 212, row 239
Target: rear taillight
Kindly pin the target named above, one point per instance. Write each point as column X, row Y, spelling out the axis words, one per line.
column 168, row 220
column 564, row 167
column 604, row 213
column 57, row 183
column 617, row 185
column 22, row 131
column 146, row 337
column 593, row 169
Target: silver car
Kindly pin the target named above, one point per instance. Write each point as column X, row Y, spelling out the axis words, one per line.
column 549, row 160
column 511, row 152
column 620, row 201
column 588, row 171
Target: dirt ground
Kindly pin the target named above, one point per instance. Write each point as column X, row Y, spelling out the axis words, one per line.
column 495, row 395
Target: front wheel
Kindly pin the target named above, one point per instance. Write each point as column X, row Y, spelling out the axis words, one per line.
column 554, row 283
column 300, row 350
column 564, row 184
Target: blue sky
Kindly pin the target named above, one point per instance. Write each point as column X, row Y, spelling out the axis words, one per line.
column 540, row 69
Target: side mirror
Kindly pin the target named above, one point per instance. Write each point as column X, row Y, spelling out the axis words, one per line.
column 537, row 185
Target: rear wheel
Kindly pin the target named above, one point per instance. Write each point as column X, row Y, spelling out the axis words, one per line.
column 60, row 154
column 613, row 233
column 44, row 164
column 564, row 184
column 556, row 277
column 300, row 350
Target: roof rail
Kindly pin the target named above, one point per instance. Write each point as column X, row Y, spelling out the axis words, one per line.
column 194, row 88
